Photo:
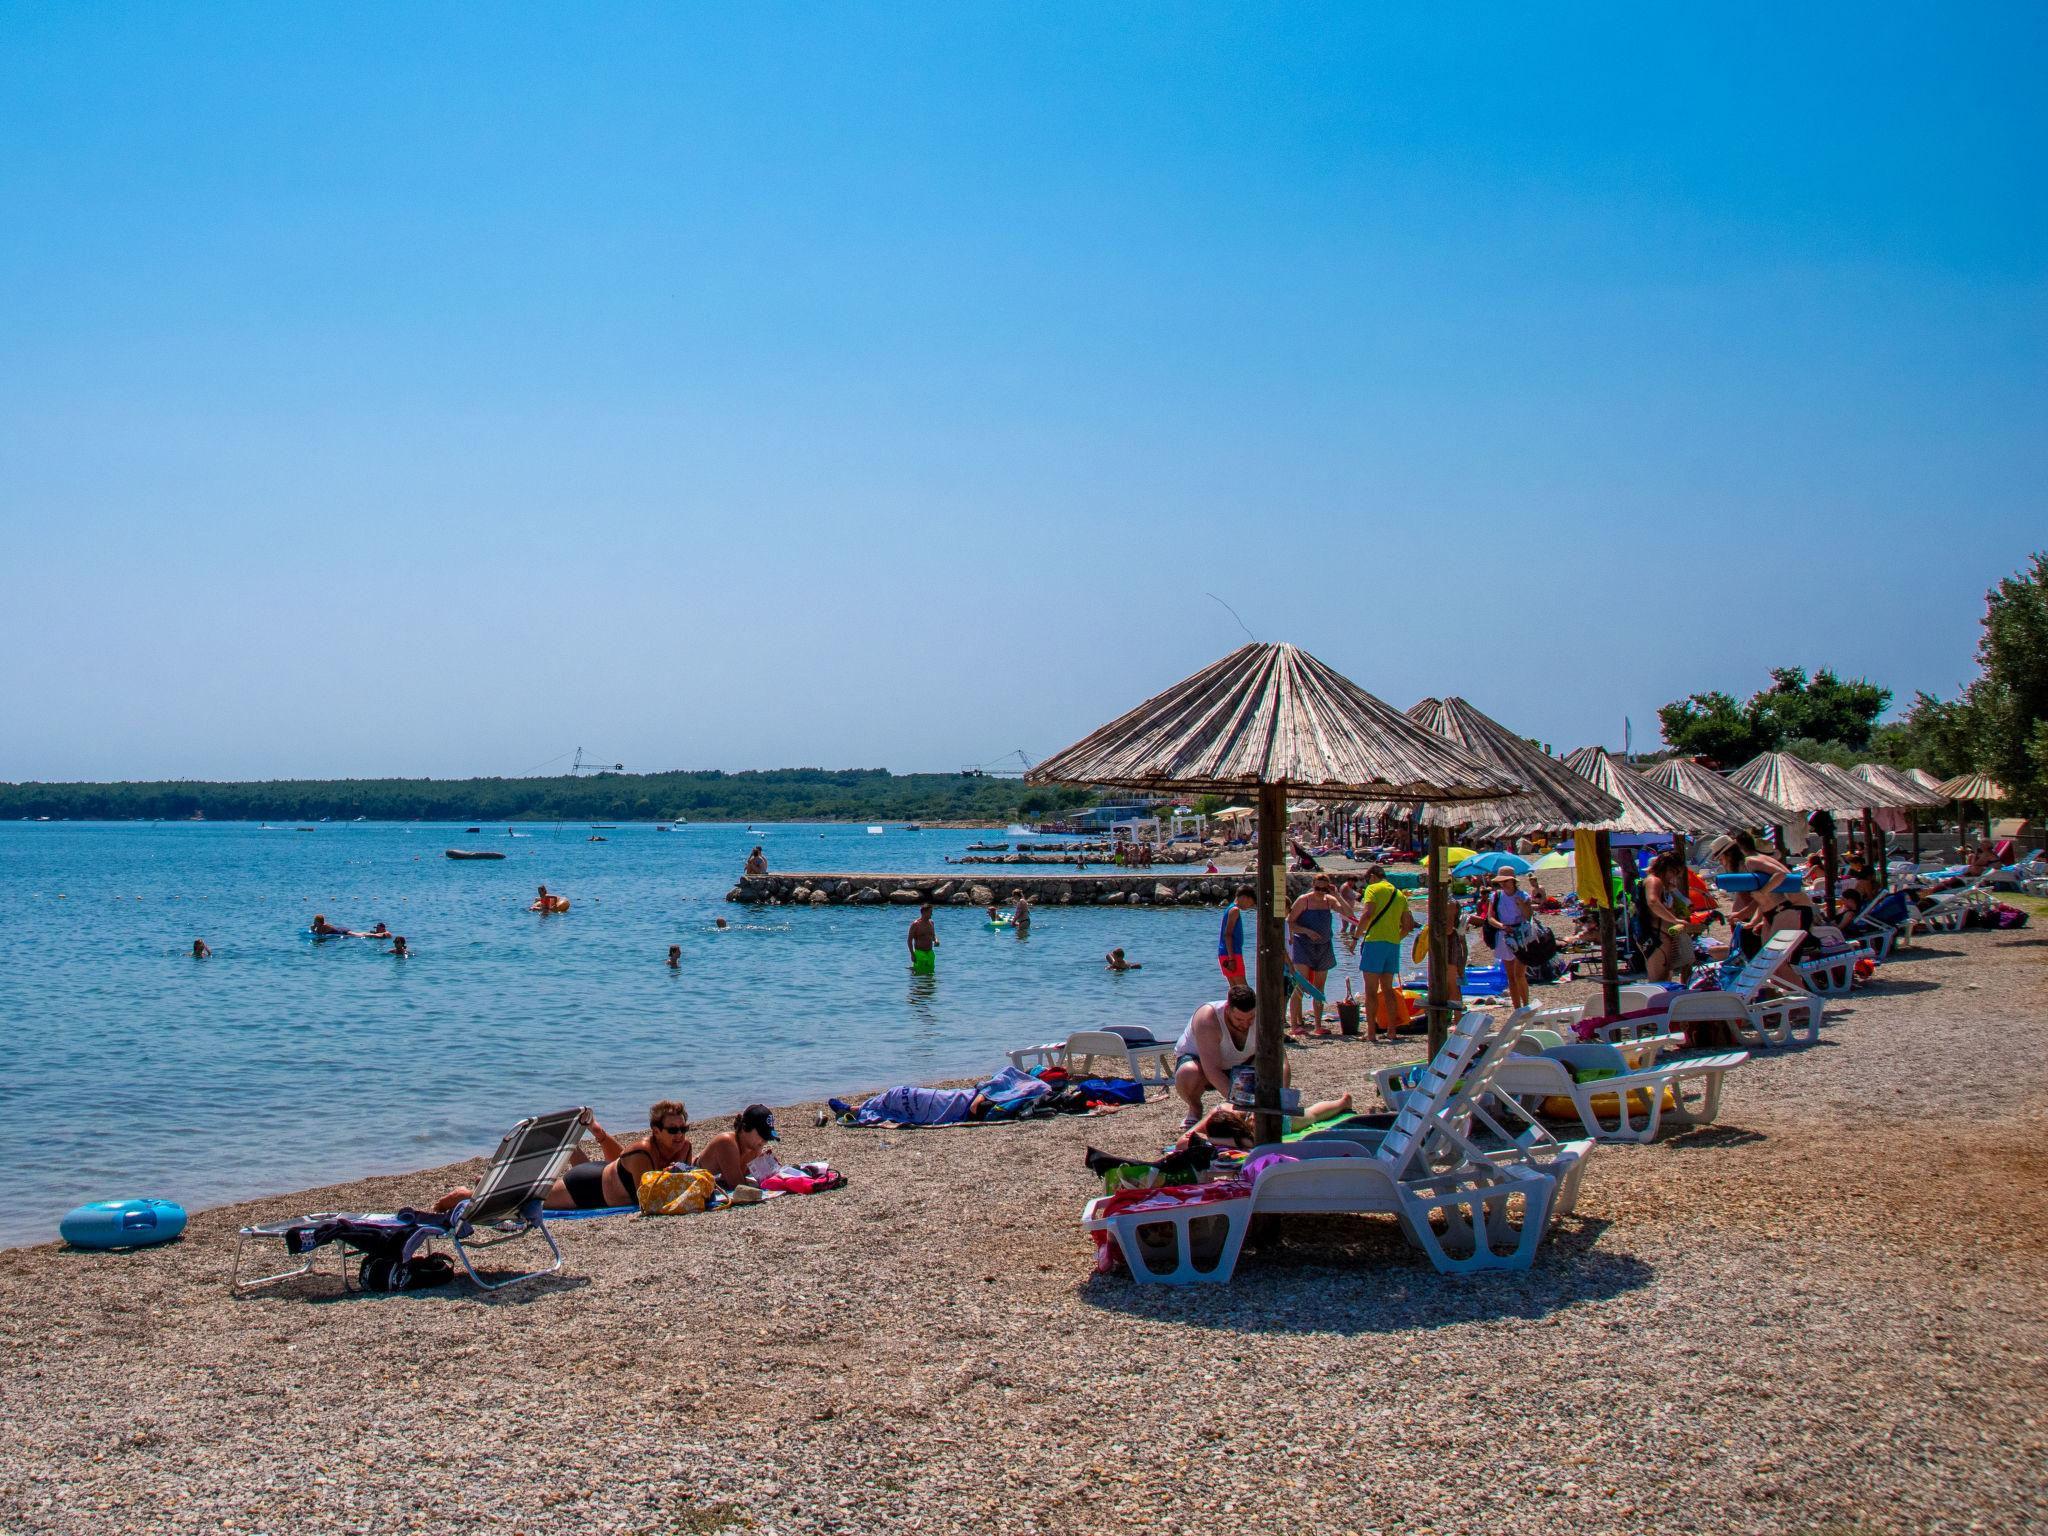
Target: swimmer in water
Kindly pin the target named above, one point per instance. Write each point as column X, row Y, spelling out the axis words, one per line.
column 675, row 957
column 1116, row 962
column 323, row 929
column 721, row 923
column 398, row 946
column 546, row 903
column 199, row 950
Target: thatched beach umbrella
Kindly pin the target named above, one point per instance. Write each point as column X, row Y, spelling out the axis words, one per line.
column 1557, row 800
column 1799, row 788
column 1271, row 721
column 1698, row 782
column 1968, row 787
column 1869, row 797
column 1913, row 796
column 1646, row 806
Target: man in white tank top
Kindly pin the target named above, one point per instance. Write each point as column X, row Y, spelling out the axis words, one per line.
column 1221, row 1037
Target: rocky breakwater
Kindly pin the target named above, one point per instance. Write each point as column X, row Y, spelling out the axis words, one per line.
column 1142, row 889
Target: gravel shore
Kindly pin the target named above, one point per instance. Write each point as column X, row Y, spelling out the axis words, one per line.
column 1824, row 1315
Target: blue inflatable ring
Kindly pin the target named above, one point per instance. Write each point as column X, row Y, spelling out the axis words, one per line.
column 123, row 1224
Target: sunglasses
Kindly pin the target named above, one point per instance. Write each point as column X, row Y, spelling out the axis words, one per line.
column 673, row 1130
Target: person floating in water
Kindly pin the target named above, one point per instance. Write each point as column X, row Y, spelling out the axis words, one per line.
column 323, row 929
column 675, row 957
column 200, row 951
column 545, row 902
column 923, row 940
column 398, row 948
column 721, row 925
column 1116, row 962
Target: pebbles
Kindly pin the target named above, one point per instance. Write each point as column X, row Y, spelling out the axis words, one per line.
column 1825, row 1314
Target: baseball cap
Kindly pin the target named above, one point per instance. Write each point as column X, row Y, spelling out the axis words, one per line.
column 760, row 1119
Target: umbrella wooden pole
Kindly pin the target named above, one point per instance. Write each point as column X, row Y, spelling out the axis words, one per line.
column 1915, row 815
column 1443, row 913
column 1827, row 866
column 1610, row 965
column 1269, row 1058
column 1873, row 847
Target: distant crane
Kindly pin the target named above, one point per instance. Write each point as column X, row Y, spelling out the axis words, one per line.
column 999, row 767
column 580, row 766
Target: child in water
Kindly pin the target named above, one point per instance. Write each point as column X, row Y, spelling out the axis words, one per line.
column 1116, row 962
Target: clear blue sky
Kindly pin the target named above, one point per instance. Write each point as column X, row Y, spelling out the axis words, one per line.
column 402, row 389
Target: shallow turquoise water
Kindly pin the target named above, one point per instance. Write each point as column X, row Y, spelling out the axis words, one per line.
column 128, row 1068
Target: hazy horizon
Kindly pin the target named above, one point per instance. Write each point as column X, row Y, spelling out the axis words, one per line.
column 404, row 393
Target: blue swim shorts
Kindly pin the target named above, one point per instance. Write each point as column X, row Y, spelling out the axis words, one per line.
column 1379, row 957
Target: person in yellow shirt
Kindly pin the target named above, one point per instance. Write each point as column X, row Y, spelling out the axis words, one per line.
column 1384, row 920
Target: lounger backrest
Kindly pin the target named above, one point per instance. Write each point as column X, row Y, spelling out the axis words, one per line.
column 1096, row 1042
column 1776, row 951
column 527, row 1161
column 1457, row 1071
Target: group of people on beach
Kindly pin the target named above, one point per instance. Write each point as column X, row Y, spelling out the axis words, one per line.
column 737, row 1158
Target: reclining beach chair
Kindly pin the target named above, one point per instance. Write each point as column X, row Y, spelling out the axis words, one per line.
column 1827, row 967
column 1148, row 1062
column 1885, row 923
column 1164, row 1240
column 507, row 1205
column 1761, row 1002
column 1628, row 1100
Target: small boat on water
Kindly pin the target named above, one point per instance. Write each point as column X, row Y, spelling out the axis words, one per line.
column 472, row 829
column 473, row 853
column 874, row 831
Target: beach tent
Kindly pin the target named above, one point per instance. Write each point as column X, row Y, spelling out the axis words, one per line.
column 1272, row 722
column 1646, row 807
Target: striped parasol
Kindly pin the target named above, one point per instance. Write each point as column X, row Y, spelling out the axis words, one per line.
column 1972, row 786
column 1701, row 783
column 1797, row 787
column 1558, row 798
column 1912, row 795
column 1646, row 806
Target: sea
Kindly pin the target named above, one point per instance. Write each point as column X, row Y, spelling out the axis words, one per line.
column 128, row 1068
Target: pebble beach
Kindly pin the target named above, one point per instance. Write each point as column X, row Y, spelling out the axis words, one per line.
column 1826, row 1313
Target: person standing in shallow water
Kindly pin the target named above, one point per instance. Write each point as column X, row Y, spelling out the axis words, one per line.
column 200, row 951
column 1020, row 911
column 923, row 940
column 675, row 957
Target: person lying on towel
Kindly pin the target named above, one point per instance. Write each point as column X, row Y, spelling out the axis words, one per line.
column 1006, row 1094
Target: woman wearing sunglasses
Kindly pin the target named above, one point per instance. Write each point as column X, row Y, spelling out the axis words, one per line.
column 590, row 1185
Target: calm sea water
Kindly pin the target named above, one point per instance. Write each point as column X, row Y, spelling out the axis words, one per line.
column 129, row 1068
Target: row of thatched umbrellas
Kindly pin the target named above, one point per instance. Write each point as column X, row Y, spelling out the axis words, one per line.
column 1271, row 722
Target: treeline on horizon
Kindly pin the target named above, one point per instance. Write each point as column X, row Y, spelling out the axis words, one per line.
column 782, row 794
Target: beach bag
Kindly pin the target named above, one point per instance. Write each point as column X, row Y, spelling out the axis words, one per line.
column 676, row 1191
column 389, row 1272
column 1535, row 945
column 1108, row 1090
column 2008, row 917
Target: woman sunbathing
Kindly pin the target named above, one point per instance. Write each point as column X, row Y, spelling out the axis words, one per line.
column 741, row 1155
column 590, row 1185
column 1228, row 1126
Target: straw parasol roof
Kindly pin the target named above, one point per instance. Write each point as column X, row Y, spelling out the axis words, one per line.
column 1799, row 788
column 1645, row 807
column 1925, row 780
column 1700, row 783
column 1912, row 795
column 1273, row 714
column 1558, row 798
column 1857, row 794
column 1973, row 786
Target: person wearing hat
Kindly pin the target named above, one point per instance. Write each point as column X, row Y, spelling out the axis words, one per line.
column 1501, row 911
column 740, row 1155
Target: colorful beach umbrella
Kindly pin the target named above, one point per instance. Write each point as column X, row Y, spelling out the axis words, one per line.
column 1491, row 864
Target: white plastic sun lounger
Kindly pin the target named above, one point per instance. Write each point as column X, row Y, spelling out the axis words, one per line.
column 1147, row 1061
column 1761, row 1003
column 1631, row 1104
column 1476, row 1201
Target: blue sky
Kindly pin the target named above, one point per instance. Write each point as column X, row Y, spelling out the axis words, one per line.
column 389, row 389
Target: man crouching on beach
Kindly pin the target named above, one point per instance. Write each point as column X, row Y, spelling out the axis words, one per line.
column 1221, row 1037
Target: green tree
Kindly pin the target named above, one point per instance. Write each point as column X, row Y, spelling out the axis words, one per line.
column 2012, row 695
column 1712, row 725
column 1823, row 708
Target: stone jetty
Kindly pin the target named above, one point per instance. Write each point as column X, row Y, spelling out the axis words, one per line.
column 1134, row 888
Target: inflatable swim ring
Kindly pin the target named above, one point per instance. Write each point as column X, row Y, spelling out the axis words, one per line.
column 122, row 1224
column 552, row 904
